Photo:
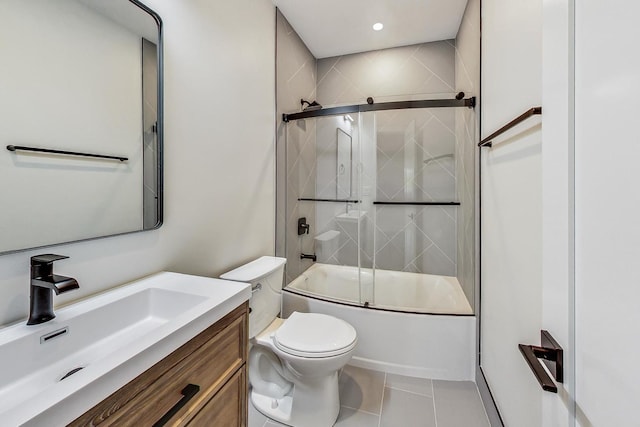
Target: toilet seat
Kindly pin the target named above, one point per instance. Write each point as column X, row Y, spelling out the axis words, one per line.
column 314, row 335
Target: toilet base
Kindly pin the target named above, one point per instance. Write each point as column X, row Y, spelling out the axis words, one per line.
column 275, row 409
column 309, row 405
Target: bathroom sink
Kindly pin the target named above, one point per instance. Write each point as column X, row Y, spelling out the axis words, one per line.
column 59, row 369
column 351, row 215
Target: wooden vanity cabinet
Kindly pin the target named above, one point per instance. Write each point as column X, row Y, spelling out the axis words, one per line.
column 202, row 383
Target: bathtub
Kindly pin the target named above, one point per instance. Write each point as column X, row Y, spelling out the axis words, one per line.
column 393, row 290
column 414, row 324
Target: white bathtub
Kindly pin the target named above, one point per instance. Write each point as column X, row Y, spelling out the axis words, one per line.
column 393, row 290
column 416, row 324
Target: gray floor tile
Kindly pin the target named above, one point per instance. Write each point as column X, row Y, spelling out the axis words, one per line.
column 361, row 389
column 256, row 419
column 414, row 385
column 401, row 408
column 458, row 404
column 405, row 402
column 351, row 418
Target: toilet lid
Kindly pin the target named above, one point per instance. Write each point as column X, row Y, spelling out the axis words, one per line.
column 315, row 335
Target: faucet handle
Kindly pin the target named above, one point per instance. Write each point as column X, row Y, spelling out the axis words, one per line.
column 46, row 258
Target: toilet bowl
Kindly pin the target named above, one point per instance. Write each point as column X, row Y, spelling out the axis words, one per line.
column 293, row 362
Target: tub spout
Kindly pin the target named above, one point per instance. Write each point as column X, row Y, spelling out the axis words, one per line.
column 312, row 257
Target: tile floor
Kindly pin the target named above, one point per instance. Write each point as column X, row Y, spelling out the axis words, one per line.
column 377, row 399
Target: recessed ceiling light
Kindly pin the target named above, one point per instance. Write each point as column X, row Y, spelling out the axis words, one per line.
column 378, row 26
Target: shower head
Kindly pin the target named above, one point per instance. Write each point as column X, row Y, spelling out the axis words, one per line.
column 311, row 106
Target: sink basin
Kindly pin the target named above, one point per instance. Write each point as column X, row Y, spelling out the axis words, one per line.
column 351, row 215
column 54, row 372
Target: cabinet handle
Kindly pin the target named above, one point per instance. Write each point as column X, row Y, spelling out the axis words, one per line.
column 187, row 393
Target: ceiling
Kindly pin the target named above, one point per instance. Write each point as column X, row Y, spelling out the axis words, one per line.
column 339, row 27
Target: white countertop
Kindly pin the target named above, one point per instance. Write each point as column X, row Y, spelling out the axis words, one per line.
column 190, row 304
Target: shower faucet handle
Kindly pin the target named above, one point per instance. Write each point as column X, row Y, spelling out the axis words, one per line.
column 303, row 227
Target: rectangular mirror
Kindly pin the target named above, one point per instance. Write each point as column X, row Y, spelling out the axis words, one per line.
column 81, row 120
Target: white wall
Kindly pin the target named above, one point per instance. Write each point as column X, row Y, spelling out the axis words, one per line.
column 590, row 273
column 511, row 224
column 607, row 150
column 557, row 198
column 219, row 159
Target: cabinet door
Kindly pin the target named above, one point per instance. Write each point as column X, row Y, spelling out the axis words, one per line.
column 228, row 408
column 206, row 363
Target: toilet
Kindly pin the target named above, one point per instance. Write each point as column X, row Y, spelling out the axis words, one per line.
column 293, row 362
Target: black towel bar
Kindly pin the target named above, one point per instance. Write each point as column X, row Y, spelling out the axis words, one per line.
column 521, row 118
column 310, row 199
column 68, row 153
column 551, row 354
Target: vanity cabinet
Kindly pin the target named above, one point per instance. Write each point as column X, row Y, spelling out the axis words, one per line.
column 202, row 383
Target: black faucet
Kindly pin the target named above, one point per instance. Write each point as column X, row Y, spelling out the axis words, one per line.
column 43, row 284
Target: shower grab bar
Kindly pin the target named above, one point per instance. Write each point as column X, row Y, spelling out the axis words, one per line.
column 397, row 105
column 309, row 199
column 521, row 118
column 418, row 203
column 68, row 153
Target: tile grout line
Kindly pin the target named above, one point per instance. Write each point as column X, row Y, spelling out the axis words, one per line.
column 358, row 410
column 483, row 407
column 433, row 392
column 412, row 392
column 384, row 385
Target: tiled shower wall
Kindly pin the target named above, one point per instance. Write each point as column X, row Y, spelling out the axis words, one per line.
column 467, row 136
column 406, row 155
column 296, row 152
column 388, row 74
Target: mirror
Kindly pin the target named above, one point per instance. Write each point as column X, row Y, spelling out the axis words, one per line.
column 343, row 164
column 81, row 120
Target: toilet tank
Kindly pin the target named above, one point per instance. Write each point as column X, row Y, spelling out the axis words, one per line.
column 266, row 276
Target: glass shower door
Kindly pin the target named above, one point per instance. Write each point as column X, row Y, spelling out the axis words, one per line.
column 382, row 192
column 412, row 183
column 322, row 190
